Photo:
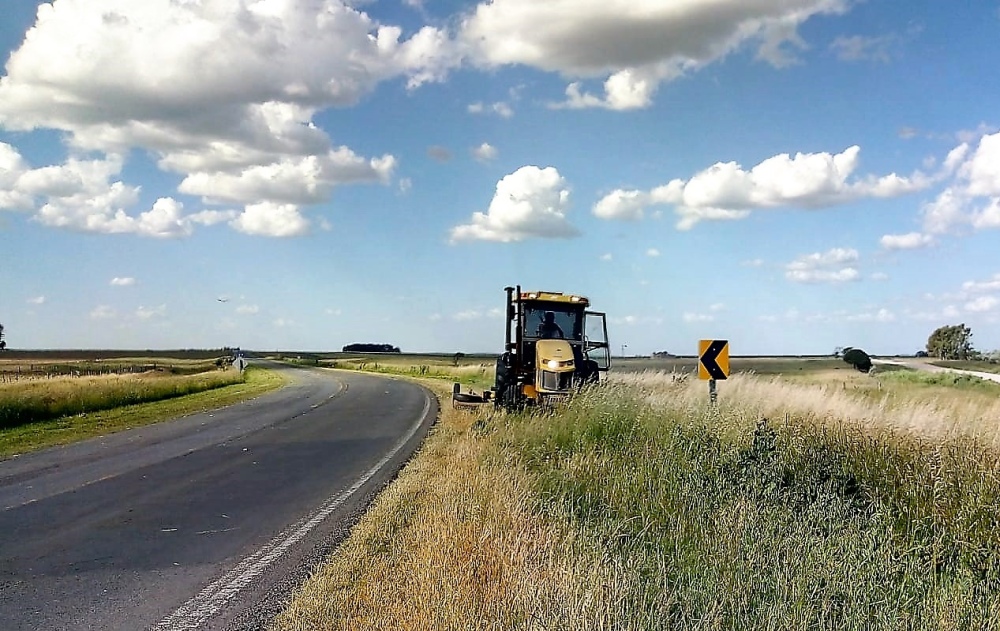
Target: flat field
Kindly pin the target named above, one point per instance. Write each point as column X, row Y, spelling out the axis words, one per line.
column 977, row 366
column 50, row 398
column 819, row 498
column 756, row 365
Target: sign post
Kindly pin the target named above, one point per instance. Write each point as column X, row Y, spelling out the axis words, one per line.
column 713, row 364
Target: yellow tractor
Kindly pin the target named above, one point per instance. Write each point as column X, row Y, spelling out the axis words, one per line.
column 553, row 345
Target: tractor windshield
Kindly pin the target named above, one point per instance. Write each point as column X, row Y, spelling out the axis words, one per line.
column 553, row 321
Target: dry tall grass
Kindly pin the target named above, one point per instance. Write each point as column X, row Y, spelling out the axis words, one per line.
column 936, row 412
column 641, row 507
column 454, row 543
column 37, row 400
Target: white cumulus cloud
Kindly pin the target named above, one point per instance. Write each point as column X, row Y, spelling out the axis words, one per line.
column 633, row 46
column 267, row 219
column 187, row 66
column 982, row 304
column 908, row 241
column 499, row 108
column 992, row 284
column 485, row 152
column 298, row 180
column 122, row 281
column 84, row 195
column 833, row 266
column 222, row 93
column 973, row 197
column 531, row 202
column 983, row 169
column 727, row 191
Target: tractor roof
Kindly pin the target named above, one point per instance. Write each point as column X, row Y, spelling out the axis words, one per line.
column 554, row 296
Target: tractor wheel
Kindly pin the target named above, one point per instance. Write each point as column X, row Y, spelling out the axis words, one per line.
column 465, row 397
column 508, row 398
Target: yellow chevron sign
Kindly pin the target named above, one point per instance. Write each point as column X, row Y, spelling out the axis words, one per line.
column 713, row 359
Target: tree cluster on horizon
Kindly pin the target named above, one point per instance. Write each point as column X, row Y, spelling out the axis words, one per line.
column 371, row 348
column 951, row 342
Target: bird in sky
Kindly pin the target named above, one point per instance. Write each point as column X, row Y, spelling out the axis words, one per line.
column 222, row 299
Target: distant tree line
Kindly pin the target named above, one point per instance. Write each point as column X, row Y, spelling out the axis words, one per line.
column 952, row 341
column 371, row 348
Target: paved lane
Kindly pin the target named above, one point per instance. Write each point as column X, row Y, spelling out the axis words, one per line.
column 204, row 522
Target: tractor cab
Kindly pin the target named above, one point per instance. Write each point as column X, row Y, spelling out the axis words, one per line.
column 554, row 345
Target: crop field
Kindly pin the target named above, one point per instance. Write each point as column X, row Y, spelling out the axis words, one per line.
column 58, row 397
column 45, row 368
column 757, row 365
column 470, row 370
column 819, row 498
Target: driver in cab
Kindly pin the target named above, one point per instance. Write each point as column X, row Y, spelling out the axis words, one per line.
column 548, row 328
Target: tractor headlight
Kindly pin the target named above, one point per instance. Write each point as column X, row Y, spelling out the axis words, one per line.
column 555, row 364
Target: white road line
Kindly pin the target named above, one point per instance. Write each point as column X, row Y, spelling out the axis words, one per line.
column 209, row 601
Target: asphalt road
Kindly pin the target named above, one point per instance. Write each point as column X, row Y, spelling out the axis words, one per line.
column 204, row 522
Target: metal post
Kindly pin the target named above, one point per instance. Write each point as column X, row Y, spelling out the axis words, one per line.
column 713, row 395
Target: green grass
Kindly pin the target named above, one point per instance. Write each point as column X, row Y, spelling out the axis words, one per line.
column 78, row 426
column 756, row 365
column 838, row 501
column 35, row 400
column 978, row 366
column 467, row 372
column 946, row 379
column 713, row 519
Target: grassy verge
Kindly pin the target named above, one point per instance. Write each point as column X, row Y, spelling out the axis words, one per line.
column 470, row 374
column 720, row 519
column 55, row 397
column 790, row 506
column 944, row 378
column 978, row 366
column 454, row 543
column 67, row 429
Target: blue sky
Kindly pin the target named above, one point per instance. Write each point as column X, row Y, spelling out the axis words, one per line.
column 791, row 175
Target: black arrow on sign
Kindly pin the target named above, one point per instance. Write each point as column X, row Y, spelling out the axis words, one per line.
column 709, row 356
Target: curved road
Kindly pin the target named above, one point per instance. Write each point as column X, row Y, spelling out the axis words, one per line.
column 204, row 522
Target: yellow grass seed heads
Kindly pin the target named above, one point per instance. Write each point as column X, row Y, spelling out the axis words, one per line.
column 35, row 400
column 454, row 543
column 639, row 506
